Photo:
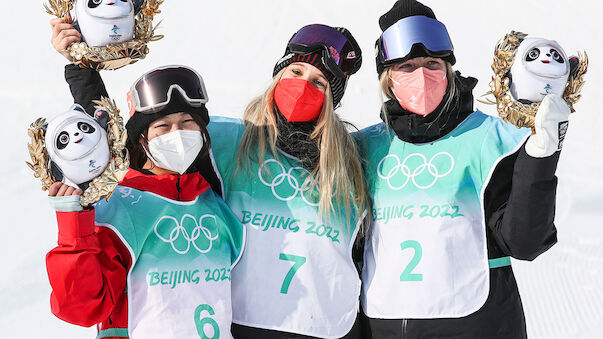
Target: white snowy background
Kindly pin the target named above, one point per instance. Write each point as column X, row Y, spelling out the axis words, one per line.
column 234, row 45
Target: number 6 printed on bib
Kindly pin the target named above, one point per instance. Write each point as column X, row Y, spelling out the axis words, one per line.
column 202, row 322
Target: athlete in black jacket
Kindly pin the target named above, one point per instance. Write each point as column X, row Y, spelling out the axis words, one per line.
column 518, row 201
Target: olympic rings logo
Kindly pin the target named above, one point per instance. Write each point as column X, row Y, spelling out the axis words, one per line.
column 190, row 239
column 287, row 182
column 424, row 169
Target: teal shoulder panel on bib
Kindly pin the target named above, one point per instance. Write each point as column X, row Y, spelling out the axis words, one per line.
column 502, row 139
column 225, row 134
column 115, row 214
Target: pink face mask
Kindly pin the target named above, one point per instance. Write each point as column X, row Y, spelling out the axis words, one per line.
column 420, row 91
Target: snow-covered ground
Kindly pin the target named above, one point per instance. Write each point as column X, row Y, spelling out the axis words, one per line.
column 234, row 45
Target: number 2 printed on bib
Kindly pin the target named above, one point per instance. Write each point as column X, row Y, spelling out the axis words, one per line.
column 407, row 273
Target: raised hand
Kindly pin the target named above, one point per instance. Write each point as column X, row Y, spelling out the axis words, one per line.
column 63, row 35
column 59, row 189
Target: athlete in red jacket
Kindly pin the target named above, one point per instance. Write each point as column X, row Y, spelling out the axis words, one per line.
column 144, row 264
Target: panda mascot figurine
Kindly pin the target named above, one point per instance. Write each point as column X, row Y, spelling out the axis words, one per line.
column 541, row 67
column 77, row 146
column 530, row 71
column 103, row 22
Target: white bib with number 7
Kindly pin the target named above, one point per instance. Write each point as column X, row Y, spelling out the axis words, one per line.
column 296, row 274
column 425, row 254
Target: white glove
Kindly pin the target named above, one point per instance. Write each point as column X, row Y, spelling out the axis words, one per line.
column 550, row 127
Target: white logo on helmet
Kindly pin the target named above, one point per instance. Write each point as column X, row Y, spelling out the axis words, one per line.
column 416, row 169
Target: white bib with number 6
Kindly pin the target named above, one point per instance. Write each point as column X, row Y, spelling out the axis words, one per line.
column 425, row 253
column 179, row 284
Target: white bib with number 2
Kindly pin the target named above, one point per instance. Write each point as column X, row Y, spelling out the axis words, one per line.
column 426, row 253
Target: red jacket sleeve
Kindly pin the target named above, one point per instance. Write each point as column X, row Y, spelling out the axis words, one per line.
column 87, row 270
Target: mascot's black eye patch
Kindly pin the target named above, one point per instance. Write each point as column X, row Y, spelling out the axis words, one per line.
column 533, row 54
column 94, row 3
column 85, row 127
column 556, row 56
column 62, row 140
column 124, row 0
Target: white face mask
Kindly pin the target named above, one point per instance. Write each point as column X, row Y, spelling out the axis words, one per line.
column 176, row 150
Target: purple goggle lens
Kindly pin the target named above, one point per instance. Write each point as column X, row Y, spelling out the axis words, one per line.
column 396, row 42
column 152, row 91
column 337, row 47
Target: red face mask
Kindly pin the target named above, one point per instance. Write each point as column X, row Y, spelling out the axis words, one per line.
column 420, row 91
column 298, row 100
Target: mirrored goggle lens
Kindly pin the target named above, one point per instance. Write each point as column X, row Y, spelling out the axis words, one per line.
column 321, row 34
column 339, row 49
column 397, row 41
column 153, row 89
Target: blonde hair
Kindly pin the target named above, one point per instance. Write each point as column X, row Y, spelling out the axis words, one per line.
column 452, row 90
column 338, row 175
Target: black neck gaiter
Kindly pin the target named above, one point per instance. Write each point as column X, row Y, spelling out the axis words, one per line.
column 415, row 128
column 294, row 138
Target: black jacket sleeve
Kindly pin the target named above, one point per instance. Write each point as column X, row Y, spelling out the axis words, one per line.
column 86, row 85
column 519, row 206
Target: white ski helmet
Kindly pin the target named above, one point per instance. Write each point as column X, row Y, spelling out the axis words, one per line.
column 540, row 67
column 77, row 145
column 102, row 22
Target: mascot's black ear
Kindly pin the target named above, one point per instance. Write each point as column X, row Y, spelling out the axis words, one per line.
column 102, row 118
column 84, row 186
column 78, row 107
column 76, row 25
column 574, row 62
column 137, row 5
column 508, row 75
column 55, row 171
column 44, row 128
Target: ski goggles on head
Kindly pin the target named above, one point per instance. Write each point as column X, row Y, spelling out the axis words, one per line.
column 397, row 41
column 153, row 90
column 341, row 55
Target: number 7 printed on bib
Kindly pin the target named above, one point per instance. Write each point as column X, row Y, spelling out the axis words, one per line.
column 298, row 262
